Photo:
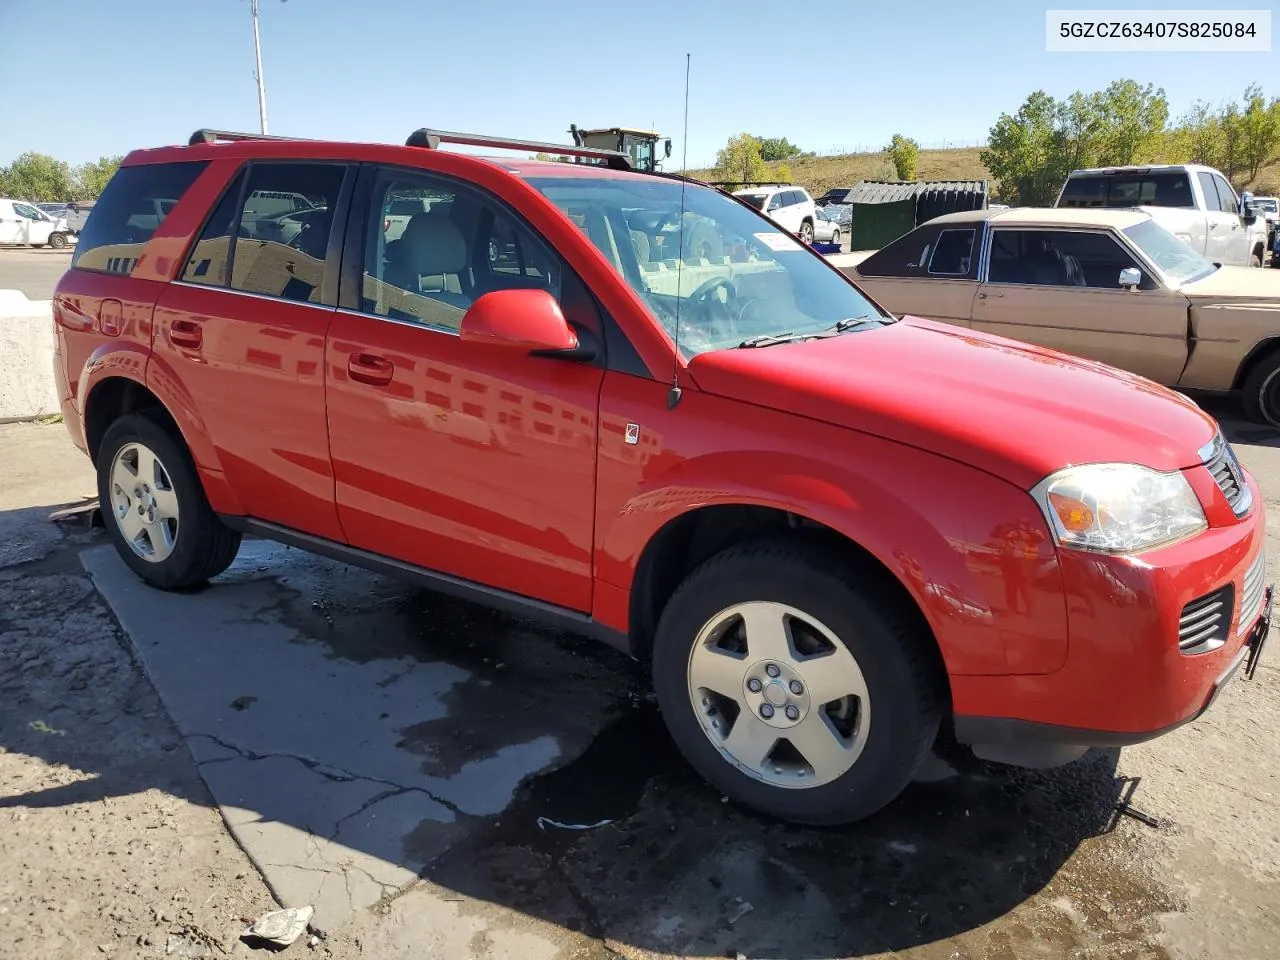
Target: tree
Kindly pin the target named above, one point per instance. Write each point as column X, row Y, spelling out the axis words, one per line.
column 37, row 177
column 740, row 159
column 904, row 153
column 1199, row 135
column 778, row 148
column 91, row 178
column 1259, row 130
column 1134, row 119
column 1028, row 152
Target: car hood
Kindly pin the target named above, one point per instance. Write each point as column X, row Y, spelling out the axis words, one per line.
column 1009, row 408
column 1237, row 283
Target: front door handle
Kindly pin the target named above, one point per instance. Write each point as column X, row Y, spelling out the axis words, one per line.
column 186, row 333
column 368, row 368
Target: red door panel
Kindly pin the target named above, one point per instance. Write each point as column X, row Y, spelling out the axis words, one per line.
column 254, row 368
column 463, row 458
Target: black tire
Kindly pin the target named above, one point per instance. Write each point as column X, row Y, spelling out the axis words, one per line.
column 1255, row 259
column 57, row 240
column 203, row 546
column 835, row 235
column 1260, row 392
column 806, row 231
column 897, row 657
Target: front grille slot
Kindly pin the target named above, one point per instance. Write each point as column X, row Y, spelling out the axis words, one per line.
column 1205, row 621
column 1251, row 591
column 1229, row 476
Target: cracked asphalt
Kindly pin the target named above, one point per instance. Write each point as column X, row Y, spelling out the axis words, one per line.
column 300, row 732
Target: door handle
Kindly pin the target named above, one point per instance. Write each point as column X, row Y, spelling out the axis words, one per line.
column 373, row 370
column 994, row 296
column 186, row 333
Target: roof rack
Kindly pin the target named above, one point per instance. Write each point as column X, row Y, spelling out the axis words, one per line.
column 431, row 140
column 751, row 183
column 205, row 135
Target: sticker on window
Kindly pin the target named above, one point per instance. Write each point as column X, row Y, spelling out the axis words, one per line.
column 778, row 241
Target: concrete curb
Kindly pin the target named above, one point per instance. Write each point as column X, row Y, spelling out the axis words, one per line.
column 27, row 387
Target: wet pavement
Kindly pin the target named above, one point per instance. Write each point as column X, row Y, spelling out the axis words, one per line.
column 415, row 766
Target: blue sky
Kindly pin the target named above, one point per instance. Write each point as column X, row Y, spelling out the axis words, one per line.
column 827, row 75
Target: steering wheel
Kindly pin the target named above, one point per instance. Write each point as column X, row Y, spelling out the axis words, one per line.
column 702, row 295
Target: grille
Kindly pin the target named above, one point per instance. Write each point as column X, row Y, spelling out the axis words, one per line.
column 1255, row 580
column 1205, row 622
column 1229, row 476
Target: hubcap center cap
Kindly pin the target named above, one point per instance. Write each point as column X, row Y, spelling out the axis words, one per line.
column 776, row 693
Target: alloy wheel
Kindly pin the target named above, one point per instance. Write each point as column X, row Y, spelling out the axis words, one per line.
column 143, row 502
column 779, row 695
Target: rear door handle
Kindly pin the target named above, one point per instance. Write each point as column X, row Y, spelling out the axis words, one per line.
column 186, row 333
column 368, row 368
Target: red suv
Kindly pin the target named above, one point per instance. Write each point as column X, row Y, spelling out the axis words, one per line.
column 626, row 403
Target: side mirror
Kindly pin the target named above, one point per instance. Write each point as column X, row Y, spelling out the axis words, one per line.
column 522, row 321
column 1130, row 277
column 667, row 147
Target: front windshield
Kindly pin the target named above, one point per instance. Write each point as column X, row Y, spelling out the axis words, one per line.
column 1175, row 259
column 732, row 274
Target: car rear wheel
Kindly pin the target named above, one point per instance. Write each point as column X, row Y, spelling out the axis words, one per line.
column 835, row 236
column 1255, row 260
column 795, row 690
column 155, row 509
column 1260, row 393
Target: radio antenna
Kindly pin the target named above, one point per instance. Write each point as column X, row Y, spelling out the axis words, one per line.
column 674, row 396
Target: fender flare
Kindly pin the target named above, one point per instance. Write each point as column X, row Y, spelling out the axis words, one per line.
column 853, row 505
column 121, row 360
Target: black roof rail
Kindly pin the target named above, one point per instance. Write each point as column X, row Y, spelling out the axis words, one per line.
column 751, row 183
column 431, row 139
column 205, row 135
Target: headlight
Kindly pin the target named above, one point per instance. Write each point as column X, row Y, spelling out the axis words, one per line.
column 1119, row 507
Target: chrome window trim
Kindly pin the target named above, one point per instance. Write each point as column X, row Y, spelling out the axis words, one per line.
column 251, row 294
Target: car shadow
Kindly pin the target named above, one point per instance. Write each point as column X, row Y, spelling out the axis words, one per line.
column 616, row 838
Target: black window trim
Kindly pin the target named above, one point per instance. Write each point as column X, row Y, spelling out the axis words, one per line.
column 333, row 248
column 620, row 354
column 1152, row 277
column 967, row 275
column 75, row 265
column 1219, row 181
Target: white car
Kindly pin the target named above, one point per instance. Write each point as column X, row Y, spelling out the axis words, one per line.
column 26, row 224
column 826, row 224
column 790, row 207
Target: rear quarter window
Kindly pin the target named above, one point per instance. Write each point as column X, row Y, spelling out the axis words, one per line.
column 130, row 210
column 908, row 256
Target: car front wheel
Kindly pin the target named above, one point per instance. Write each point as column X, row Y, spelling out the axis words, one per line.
column 806, row 232
column 155, row 509
column 793, row 689
column 57, row 240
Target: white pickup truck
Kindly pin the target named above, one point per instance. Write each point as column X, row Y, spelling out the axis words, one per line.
column 1197, row 204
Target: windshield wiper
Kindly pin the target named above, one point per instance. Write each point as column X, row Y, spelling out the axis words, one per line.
column 769, row 339
column 854, row 323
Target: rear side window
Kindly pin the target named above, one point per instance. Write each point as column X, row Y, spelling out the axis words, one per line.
column 952, row 255
column 129, row 212
column 905, row 257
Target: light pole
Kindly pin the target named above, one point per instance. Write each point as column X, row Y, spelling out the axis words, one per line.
column 257, row 55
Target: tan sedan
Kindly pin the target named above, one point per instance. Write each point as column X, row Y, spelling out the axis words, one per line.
column 1110, row 285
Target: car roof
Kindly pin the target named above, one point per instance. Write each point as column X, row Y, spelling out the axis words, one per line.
column 287, row 149
column 1049, row 216
column 1144, row 168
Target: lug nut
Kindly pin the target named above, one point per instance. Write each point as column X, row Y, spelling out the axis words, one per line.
column 753, row 685
column 771, row 669
column 793, row 712
column 796, row 687
column 766, row 711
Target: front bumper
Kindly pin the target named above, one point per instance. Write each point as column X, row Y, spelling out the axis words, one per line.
column 1125, row 679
